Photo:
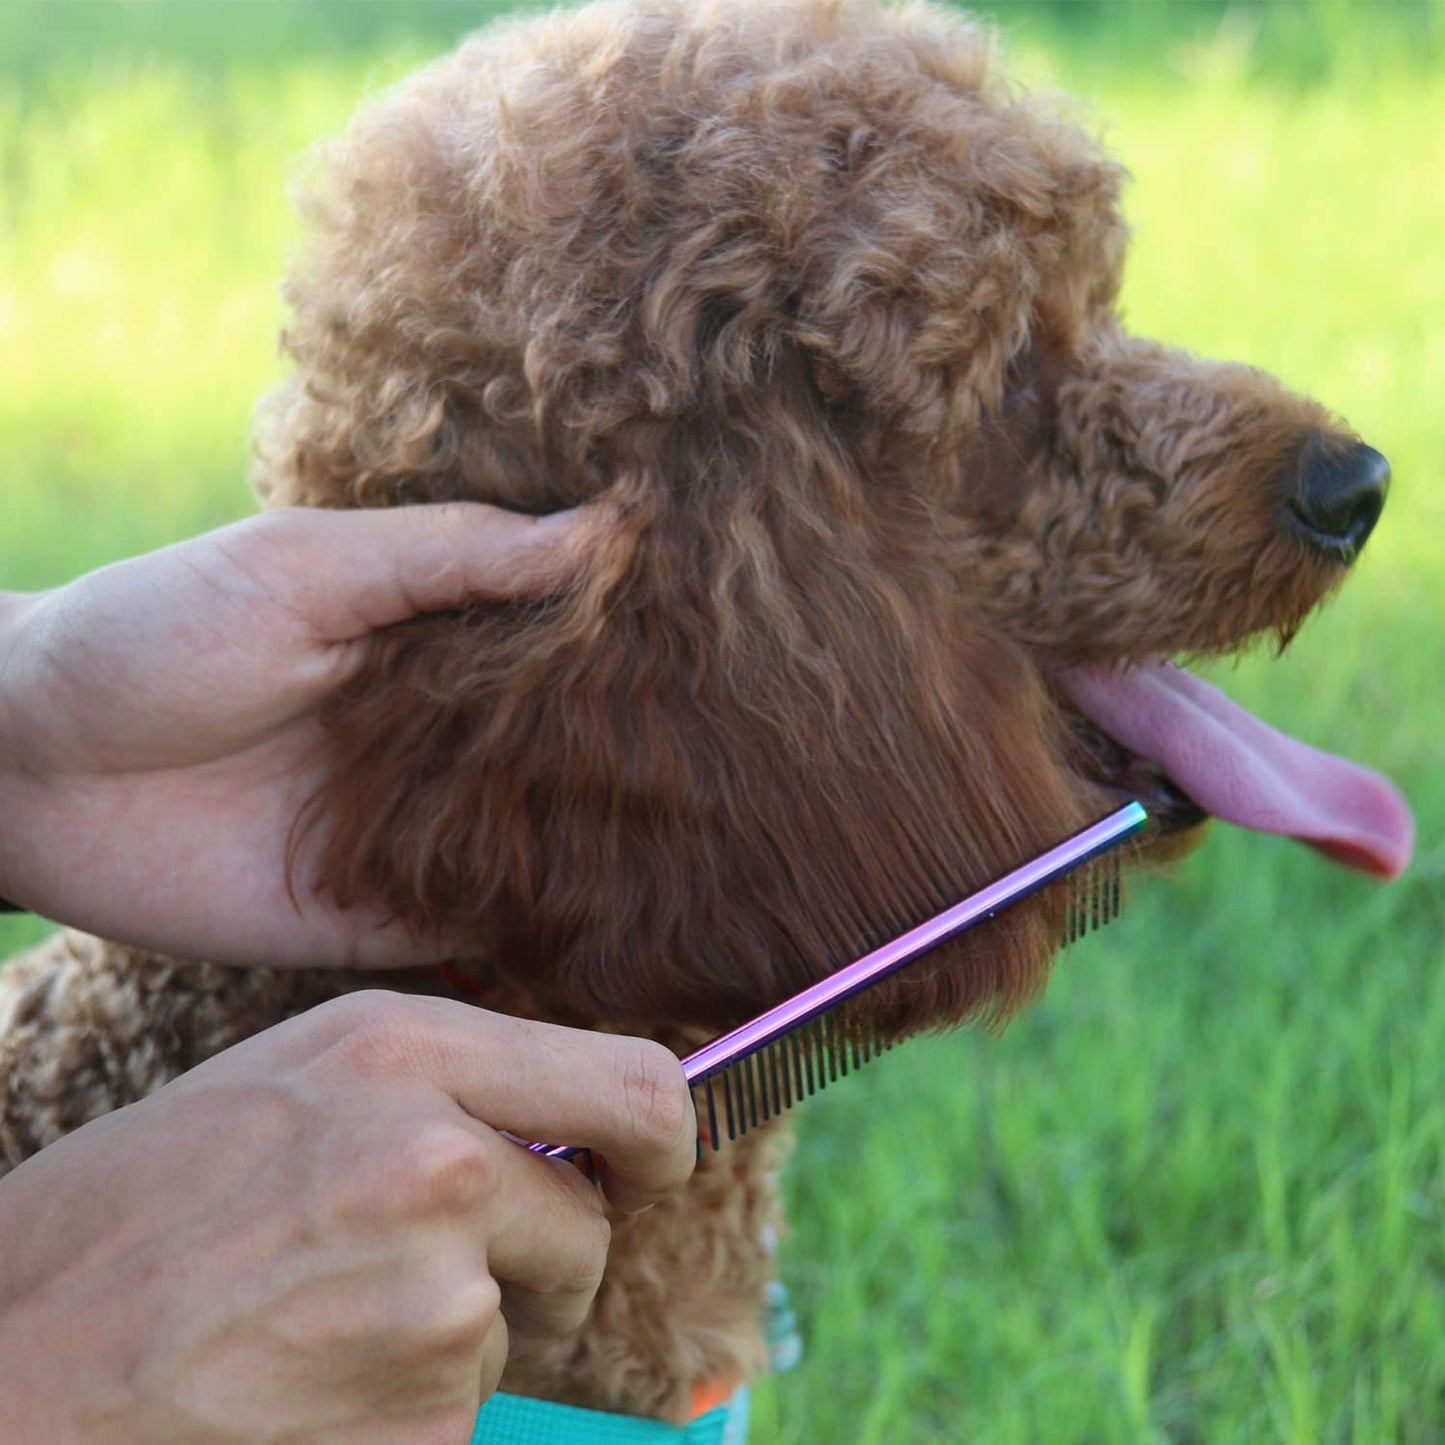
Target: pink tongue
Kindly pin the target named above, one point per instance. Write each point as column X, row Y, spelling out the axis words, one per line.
column 1240, row 769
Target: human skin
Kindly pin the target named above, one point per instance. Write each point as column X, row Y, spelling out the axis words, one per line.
column 319, row 1235
column 158, row 719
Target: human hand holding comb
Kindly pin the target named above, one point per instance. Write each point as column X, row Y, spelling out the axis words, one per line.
column 320, row 1234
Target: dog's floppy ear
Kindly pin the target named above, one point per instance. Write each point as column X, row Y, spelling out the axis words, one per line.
column 760, row 729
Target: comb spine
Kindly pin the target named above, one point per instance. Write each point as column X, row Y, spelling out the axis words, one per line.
column 853, row 978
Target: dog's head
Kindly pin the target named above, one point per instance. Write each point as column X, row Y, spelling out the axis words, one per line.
column 824, row 317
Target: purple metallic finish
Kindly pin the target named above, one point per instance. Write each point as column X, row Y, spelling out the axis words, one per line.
column 853, row 978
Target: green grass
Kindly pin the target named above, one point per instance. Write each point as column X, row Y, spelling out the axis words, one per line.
column 1198, row 1193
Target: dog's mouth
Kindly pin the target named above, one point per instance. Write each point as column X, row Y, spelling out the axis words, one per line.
column 1186, row 750
column 1108, row 765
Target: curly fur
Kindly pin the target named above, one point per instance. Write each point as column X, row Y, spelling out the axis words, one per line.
column 824, row 312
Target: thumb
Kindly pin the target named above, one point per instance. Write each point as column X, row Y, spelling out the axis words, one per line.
column 368, row 569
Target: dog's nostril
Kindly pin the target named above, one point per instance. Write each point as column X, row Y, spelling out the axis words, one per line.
column 1338, row 498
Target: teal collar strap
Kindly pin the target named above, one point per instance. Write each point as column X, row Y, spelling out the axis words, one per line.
column 517, row 1420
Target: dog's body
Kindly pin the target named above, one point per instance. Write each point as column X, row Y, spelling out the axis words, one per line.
column 826, row 315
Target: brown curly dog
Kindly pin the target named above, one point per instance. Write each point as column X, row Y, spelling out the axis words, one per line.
column 906, row 529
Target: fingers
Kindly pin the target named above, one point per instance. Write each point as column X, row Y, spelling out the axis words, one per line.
column 538, row 1227
column 349, row 572
column 547, row 1243
column 624, row 1098
column 546, row 1227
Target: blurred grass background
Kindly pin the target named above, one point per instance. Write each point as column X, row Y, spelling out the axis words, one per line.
column 1197, row 1193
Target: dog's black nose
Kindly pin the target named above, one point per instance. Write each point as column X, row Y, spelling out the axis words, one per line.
column 1338, row 497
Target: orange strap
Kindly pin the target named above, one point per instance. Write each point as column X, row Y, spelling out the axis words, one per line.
column 708, row 1395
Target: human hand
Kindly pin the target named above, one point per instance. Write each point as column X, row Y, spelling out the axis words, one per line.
column 318, row 1235
column 158, row 718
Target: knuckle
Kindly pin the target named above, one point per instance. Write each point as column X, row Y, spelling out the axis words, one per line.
column 653, row 1094
column 365, row 1010
column 442, row 1319
column 274, row 536
column 279, row 548
column 369, row 1033
column 447, row 1170
column 275, row 524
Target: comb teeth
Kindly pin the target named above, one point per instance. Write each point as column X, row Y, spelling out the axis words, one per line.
column 1092, row 896
column 761, row 1085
